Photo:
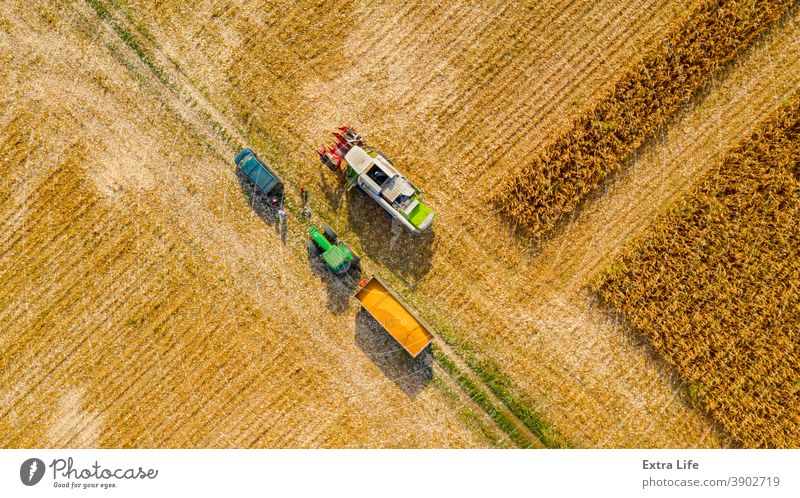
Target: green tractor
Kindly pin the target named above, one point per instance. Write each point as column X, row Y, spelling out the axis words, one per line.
column 337, row 255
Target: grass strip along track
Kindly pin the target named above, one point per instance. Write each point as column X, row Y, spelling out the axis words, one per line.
column 715, row 287
column 492, row 377
column 573, row 166
column 477, row 395
column 131, row 42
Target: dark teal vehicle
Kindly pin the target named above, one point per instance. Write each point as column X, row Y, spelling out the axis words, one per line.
column 258, row 172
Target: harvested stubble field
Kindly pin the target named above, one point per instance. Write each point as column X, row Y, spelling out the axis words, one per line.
column 459, row 94
column 714, row 285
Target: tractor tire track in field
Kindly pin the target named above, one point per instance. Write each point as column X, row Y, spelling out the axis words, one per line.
column 169, row 78
column 217, row 126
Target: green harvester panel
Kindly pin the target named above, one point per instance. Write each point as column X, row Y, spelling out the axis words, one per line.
column 419, row 214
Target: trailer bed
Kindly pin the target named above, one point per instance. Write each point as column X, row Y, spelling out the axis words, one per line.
column 409, row 330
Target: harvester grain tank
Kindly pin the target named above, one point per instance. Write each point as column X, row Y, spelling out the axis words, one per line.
column 337, row 255
column 409, row 330
column 376, row 175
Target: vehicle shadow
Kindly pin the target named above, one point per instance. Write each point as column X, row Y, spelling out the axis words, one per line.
column 333, row 187
column 408, row 255
column 266, row 206
column 410, row 374
column 339, row 288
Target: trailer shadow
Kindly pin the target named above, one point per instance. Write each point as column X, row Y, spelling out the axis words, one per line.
column 406, row 254
column 339, row 289
column 266, row 206
column 410, row 374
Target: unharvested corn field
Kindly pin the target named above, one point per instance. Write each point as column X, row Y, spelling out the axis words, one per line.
column 715, row 287
column 555, row 183
column 149, row 298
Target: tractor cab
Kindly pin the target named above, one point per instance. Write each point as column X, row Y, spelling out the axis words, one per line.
column 337, row 258
column 377, row 175
column 337, row 255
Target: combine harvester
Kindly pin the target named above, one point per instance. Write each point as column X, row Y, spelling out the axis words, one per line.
column 409, row 330
column 375, row 174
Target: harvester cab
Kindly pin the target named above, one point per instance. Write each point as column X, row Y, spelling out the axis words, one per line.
column 376, row 175
column 337, row 255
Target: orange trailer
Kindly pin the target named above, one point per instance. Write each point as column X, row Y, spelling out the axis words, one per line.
column 411, row 331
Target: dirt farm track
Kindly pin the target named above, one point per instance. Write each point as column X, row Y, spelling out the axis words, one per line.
column 149, row 299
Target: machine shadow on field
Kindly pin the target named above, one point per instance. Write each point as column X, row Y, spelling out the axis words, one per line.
column 266, row 206
column 339, row 288
column 406, row 254
column 333, row 188
column 410, row 374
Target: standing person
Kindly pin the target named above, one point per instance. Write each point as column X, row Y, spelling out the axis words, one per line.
column 282, row 227
column 303, row 195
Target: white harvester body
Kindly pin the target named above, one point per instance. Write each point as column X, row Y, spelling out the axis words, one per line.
column 381, row 181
